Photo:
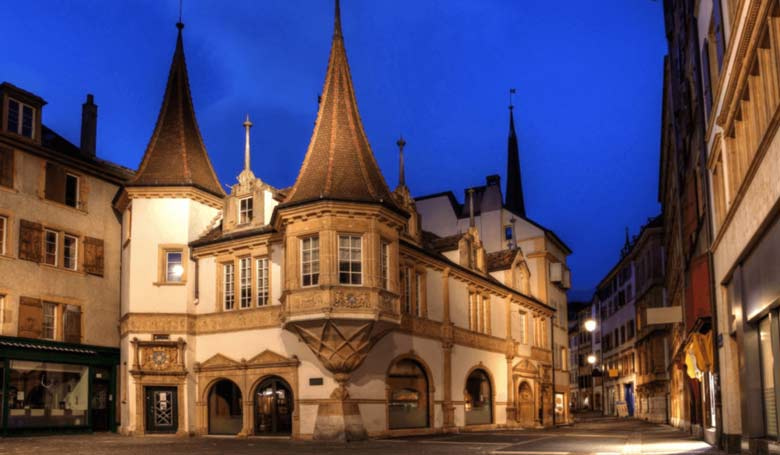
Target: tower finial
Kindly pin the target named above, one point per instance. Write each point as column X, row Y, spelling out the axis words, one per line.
column 401, row 143
column 247, row 126
column 337, row 19
column 511, row 92
column 180, row 24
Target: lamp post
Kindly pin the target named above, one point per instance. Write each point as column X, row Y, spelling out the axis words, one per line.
column 591, row 361
column 590, row 325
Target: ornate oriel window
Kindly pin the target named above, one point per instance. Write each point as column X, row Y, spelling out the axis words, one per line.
column 263, row 295
column 310, row 261
column 245, row 210
column 350, row 259
column 229, row 289
column 245, row 282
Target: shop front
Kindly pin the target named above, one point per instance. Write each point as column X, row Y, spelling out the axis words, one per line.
column 56, row 387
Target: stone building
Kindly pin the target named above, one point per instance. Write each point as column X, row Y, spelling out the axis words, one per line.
column 60, row 251
column 336, row 308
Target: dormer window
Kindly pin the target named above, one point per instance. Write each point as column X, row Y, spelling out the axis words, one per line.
column 508, row 232
column 21, row 118
column 245, row 210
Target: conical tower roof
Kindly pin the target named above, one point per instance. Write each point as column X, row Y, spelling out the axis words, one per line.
column 514, row 183
column 339, row 163
column 176, row 155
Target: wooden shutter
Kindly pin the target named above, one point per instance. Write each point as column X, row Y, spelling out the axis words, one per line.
column 30, row 317
column 707, row 85
column 55, row 182
column 72, row 324
column 6, row 167
column 30, row 241
column 93, row 256
column 720, row 43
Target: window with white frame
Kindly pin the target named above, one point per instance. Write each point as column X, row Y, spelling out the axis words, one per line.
column 245, row 282
column 310, row 261
column 384, row 259
column 3, row 234
column 245, row 210
column 70, row 252
column 350, row 259
column 229, row 285
column 21, row 118
column 50, row 247
column 174, row 265
column 48, row 325
column 262, row 281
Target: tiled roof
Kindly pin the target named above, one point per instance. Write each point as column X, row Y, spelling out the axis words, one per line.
column 500, row 260
column 216, row 235
column 339, row 163
column 176, row 155
column 438, row 244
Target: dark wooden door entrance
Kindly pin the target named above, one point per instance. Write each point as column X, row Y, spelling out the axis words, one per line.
column 273, row 407
column 101, row 386
column 161, row 410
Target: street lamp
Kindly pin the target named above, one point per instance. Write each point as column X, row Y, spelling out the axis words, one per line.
column 591, row 359
column 590, row 325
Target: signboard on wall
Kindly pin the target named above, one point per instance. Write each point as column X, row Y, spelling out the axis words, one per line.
column 622, row 408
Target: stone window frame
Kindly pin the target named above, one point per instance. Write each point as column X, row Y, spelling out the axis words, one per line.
column 351, row 236
column 254, row 255
column 162, row 263
column 245, row 282
column 245, row 214
column 259, row 288
column 313, row 276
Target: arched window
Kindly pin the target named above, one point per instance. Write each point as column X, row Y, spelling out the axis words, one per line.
column 479, row 398
column 273, row 407
column 408, row 401
column 225, row 411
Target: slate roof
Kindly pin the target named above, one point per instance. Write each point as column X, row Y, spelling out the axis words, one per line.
column 176, row 155
column 438, row 244
column 500, row 260
column 339, row 163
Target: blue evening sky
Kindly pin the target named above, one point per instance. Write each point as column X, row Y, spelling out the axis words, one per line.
column 588, row 76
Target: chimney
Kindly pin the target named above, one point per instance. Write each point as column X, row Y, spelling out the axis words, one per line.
column 89, row 126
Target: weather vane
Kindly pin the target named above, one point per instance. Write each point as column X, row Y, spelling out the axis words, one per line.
column 511, row 92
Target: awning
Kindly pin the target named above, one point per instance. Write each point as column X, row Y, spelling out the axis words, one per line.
column 698, row 355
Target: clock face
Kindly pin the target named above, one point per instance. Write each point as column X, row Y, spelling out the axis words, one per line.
column 159, row 358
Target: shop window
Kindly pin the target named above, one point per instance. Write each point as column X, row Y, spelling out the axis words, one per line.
column 310, row 261
column 245, row 210
column 408, row 403
column 21, row 118
column 46, row 395
column 229, row 286
column 245, row 282
column 225, row 408
column 263, row 295
column 350, row 259
column 478, row 399
column 767, row 376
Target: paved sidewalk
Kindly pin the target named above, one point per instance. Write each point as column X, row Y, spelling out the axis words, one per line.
column 602, row 436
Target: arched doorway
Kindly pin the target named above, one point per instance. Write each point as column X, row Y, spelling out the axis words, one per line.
column 225, row 412
column 408, row 401
column 525, row 401
column 273, row 407
column 479, row 398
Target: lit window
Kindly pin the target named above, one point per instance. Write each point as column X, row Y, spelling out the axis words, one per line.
column 245, row 209
column 350, row 265
column 48, row 328
column 310, row 261
column 262, row 282
column 20, row 118
column 174, row 267
column 384, row 258
column 70, row 252
column 245, row 282
column 71, row 190
column 3, row 233
column 228, row 274
column 50, row 248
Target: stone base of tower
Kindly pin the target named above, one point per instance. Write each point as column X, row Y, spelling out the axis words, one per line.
column 339, row 420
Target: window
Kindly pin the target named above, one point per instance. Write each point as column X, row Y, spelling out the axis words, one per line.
column 174, row 267
column 228, row 280
column 262, row 281
column 6, row 167
column 245, row 209
column 384, row 259
column 70, row 252
column 310, row 261
column 508, row 232
column 58, row 396
column 350, row 260
column 523, row 329
column 479, row 312
column 20, row 118
column 71, row 190
column 631, row 329
column 245, row 282
column 418, row 284
column 3, row 233
column 48, row 328
column 71, row 324
column 50, row 247
column 406, row 279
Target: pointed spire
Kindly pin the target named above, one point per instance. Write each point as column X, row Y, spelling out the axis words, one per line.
column 401, row 143
column 176, row 155
column 514, row 183
column 339, row 163
column 247, row 126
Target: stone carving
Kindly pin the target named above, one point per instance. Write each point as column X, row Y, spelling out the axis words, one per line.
column 352, row 301
column 158, row 356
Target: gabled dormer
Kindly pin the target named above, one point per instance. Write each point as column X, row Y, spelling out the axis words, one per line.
column 251, row 201
column 21, row 112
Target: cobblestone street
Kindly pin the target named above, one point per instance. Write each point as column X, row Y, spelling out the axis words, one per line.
column 600, row 436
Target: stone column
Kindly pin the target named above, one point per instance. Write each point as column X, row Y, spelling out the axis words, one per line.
column 448, row 410
column 511, row 406
column 247, row 413
column 338, row 418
